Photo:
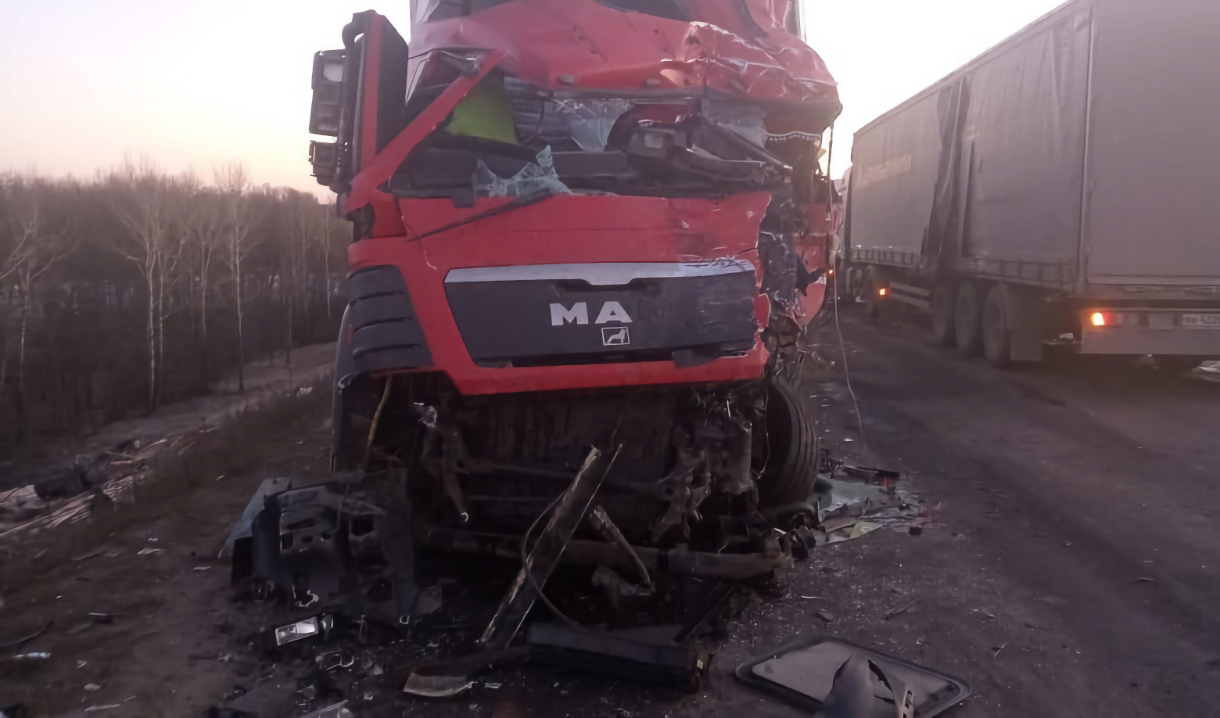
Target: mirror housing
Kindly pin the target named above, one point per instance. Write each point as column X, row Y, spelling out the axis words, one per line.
column 326, row 113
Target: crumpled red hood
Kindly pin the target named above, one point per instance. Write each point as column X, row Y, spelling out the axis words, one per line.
column 564, row 44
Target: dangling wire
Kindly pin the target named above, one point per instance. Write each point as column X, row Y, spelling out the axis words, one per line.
column 830, row 150
column 529, row 573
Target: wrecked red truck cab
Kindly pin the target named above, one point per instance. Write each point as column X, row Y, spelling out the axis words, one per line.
column 579, row 224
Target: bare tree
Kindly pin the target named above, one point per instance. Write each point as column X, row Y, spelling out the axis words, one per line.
column 144, row 203
column 114, row 292
column 205, row 220
column 300, row 210
column 238, row 242
column 36, row 241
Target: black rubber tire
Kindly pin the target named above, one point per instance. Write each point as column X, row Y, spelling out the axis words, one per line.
column 944, row 333
column 997, row 336
column 968, row 319
column 791, row 469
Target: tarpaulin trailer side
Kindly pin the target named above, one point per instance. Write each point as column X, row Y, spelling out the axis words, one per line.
column 1040, row 191
column 1154, row 148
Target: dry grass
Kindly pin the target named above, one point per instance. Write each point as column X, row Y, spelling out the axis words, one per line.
column 237, row 447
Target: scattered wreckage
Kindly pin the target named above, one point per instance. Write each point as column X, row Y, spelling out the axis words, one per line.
column 338, row 561
column 65, row 494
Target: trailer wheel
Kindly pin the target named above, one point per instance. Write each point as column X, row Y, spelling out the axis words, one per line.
column 943, row 330
column 791, row 464
column 968, row 319
column 997, row 336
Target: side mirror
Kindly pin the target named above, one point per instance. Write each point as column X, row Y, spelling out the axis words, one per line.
column 327, row 88
column 326, row 112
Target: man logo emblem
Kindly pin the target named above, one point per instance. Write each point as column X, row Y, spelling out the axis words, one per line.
column 615, row 336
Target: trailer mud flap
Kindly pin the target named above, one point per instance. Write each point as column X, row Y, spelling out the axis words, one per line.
column 1027, row 324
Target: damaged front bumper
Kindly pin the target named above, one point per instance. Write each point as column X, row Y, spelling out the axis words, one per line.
column 329, row 546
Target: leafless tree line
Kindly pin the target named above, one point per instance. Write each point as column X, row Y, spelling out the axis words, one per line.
column 138, row 287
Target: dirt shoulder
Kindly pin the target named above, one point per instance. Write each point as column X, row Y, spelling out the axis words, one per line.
column 264, row 379
column 166, row 650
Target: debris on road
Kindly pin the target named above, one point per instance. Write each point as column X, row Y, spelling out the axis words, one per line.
column 437, row 686
column 648, row 655
column 337, row 710
column 18, row 642
column 67, row 494
column 310, row 627
column 837, row 679
column 852, row 502
column 258, row 702
column 340, row 550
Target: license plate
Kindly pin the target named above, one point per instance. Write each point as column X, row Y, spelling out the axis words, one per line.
column 1201, row 321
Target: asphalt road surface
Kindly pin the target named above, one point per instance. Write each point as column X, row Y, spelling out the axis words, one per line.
column 1074, row 571
column 1070, row 570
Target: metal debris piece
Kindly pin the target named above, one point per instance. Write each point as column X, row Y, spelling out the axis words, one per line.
column 334, row 660
column 437, row 686
column 603, row 525
column 95, row 709
column 335, row 711
column 678, row 561
column 567, row 515
column 32, row 657
column 647, row 655
column 18, row 642
column 700, row 615
column 428, row 601
column 242, row 530
column 296, row 631
column 807, row 672
column 895, row 612
column 148, row 551
column 474, row 663
column 92, row 687
column 621, row 593
column 260, row 702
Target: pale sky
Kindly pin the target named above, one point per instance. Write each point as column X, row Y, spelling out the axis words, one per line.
column 196, row 84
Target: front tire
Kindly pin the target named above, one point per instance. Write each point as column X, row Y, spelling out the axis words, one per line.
column 791, row 465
